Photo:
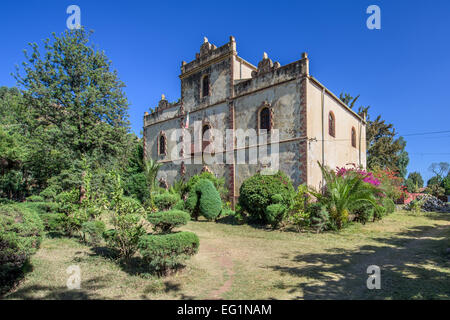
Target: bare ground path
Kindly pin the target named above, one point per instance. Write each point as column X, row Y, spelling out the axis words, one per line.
column 243, row 262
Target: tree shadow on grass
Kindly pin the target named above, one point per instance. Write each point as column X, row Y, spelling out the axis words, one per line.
column 411, row 268
column 41, row 292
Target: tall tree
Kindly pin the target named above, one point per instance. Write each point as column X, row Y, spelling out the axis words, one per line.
column 384, row 150
column 440, row 170
column 77, row 105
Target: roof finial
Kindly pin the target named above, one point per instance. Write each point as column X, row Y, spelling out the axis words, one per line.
column 265, row 56
column 205, row 40
column 163, row 97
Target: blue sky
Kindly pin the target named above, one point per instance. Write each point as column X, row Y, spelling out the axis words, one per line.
column 402, row 71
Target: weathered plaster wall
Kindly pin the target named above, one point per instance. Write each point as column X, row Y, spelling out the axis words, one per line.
column 338, row 150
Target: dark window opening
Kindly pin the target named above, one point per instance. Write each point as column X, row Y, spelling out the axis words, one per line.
column 353, row 137
column 205, row 86
column 162, row 145
column 264, row 119
column 331, row 125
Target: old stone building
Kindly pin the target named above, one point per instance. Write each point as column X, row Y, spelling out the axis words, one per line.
column 221, row 91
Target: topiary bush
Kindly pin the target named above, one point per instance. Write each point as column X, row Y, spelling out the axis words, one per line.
column 219, row 183
column 363, row 212
column 179, row 205
column 389, row 205
column 20, row 237
column 167, row 251
column 275, row 213
column 204, row 200
column 257, row 193
column 165, row 201
column 92, row 231
column 165, row 221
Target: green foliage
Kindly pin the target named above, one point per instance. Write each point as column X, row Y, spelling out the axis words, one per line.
column 319, row 217
column 388, row 205
column 168, row 251
column 126, row 218
column 179, row 205
column 20, row 237
column 343, row 192
column 93, row 231
column 275, row 213
column 256, row 193
column 50, row 193
column 363, row 212
column 35, row 199
column 164, row 222
column 219, row 183
column 165, row 201
column 446, row 184
column 136, row 186
column 204, row 200
column 435, row 190
column 414, row 182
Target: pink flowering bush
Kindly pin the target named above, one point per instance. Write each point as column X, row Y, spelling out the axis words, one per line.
column 365, row 175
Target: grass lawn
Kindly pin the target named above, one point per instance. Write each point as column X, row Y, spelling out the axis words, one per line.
column 244, row 262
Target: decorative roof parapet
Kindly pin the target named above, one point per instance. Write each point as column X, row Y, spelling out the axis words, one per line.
column 265, row 65
column 208, row 52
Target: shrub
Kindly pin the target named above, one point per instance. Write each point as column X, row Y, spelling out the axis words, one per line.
column 219, row 184
column 165, row 201
column 363, row 212
column 93, row 230
column 168, row 251
column 136, row 186
column 319, row 217
column 164, row 222
column 389, row 205
column 35, row 199
column 275, row 213
column 20, row 237
column 49, row 193
column 179, row 205
column 256, row 193
column 204, row 200
column 345, row 189
column 55, row 222
column 127, row 221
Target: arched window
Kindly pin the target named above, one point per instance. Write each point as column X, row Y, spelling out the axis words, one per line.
column 162, row 145
column 205, row 86
column 353, row 137
column 264, row 119
column 331, row 124
column 206, row 136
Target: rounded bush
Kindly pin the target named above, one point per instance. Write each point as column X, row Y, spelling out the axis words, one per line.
column 165, row 201
column 20, row 237
column 167, row 251
column 179, row 205
column 167, row 220
column 275, row 213
column 204, row 200
column 389, row 205
column 257, row 192
column 94, row 230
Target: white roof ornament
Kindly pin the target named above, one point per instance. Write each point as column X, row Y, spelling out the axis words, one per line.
column 163, row 97
column 265, row 56
column 205, row 40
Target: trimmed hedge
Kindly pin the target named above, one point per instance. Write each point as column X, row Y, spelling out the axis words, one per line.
column 165, row 221
column 165, row 201
column 204, row 200
column 275, row 214
column 167, row 251
column 260, row 191
column 20, row 237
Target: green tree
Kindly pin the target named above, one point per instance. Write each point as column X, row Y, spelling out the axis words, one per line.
column 77, row 107
column 414, row 182
column 384, row 150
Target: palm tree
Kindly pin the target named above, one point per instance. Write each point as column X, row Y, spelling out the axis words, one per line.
column 151, row 168
column 343, row 192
